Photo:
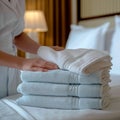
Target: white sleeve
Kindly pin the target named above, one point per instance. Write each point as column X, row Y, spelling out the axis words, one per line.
column 20, row 22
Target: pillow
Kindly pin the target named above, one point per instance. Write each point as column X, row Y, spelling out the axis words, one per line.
column 91, row 38
column 115, row 47
column 108, row 39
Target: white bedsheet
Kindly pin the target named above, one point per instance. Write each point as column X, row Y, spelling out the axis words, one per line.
column 32, row 113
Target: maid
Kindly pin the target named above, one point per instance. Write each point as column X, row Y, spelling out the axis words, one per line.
column 12, row 37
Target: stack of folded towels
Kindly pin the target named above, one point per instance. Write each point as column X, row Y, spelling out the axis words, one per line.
column 82, row 82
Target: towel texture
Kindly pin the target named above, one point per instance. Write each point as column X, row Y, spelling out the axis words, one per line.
column 80, row 83
column 76, row 60
column 63, row 102
column 66, row 77
column 33, row 88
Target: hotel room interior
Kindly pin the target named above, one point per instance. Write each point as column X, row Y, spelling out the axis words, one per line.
column 77, row 25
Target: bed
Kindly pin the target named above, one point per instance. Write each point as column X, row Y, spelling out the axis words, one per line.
column 12, row 111
column 101, row 32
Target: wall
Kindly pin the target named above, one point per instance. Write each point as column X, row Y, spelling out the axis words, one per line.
column 74, row 11
column 96, row 8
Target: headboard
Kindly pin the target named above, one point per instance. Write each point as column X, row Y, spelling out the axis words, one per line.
column 91, row 13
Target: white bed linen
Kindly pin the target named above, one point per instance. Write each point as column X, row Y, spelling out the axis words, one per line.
column 33, row 113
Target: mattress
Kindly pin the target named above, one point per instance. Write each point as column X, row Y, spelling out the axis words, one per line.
column 9, row 110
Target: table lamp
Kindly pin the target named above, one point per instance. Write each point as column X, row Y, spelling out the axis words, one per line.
column 34, row 23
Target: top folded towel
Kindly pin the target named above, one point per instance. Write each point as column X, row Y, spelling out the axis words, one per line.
column 77, row 60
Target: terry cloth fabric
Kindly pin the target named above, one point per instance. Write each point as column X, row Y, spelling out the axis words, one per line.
column 77, row 60
column 80, row 83
column 37, row 88
column 63, row 102
column 66, row 77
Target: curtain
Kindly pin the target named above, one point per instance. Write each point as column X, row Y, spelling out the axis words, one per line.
column 58, row 17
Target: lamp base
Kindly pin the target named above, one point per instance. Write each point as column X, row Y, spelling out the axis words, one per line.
column 33, row 35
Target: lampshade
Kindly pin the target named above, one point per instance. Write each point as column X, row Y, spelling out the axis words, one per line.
column 35, row 21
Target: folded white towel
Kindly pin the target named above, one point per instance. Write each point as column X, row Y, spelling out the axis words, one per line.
column 76, row 60
column 66, row 77
column 37, row 88
column 63, row 102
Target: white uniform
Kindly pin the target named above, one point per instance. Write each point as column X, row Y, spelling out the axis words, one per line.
column 11, row 25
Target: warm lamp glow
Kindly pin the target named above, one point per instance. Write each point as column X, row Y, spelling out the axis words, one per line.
column 35, row 21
